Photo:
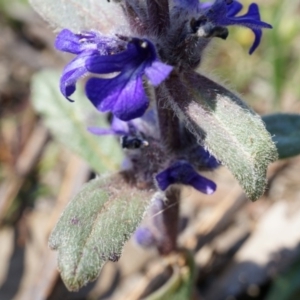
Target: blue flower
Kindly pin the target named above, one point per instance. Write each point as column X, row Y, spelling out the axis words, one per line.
column 131, row 59
column 182, row 172
column 224, row 13
column 84, row 45
column 205, row 159
column 130, row 133
column 145, row 126
column 117, row 127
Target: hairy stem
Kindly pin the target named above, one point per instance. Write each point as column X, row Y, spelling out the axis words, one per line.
column 137, row 18
column 169, row 222
column 158, row 15
column 169, row 124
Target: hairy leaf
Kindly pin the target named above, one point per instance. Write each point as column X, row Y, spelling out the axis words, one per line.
column 94, row 227
column 77, row 15
column 285, row 131
column 68, row 122
column 230, row 130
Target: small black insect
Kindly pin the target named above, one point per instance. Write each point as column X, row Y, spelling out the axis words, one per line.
column 132, row 142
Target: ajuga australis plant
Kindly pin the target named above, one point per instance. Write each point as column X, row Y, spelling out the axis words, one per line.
column 142, row 60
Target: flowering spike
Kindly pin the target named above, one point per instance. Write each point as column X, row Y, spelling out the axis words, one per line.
column 164, row 37
column 172, row 36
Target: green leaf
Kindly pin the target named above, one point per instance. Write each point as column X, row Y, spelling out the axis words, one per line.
column 230, row 130
column 68, row 122
column 181, row 283
column 285, row 131
column 77, row 15
column 94, row 227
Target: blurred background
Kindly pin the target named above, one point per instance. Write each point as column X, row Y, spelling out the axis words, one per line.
column 242, row 250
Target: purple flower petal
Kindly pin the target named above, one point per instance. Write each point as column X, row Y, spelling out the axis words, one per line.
column 257, row 39
column 225, row 14
column 138, row 55
column 118, row 127
column 234, row 8
column 68, row 82
column 108, row 63
column 144, row 237
column 102, row 131
column 183, row 173
column 123, row 95
column 158, row 72
column 205, row 5
column 206, row 159
column 67, row 41
column 222, row 13
column 72, row 72
column 203, row 185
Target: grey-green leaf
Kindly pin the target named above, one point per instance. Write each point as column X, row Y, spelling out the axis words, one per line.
column 229, row 129
column 68, row 122
column 94, row 227
column 78, row 15
column 285, row 131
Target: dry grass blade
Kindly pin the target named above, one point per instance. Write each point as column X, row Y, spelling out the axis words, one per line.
column 76, row 174
column 25, row 162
